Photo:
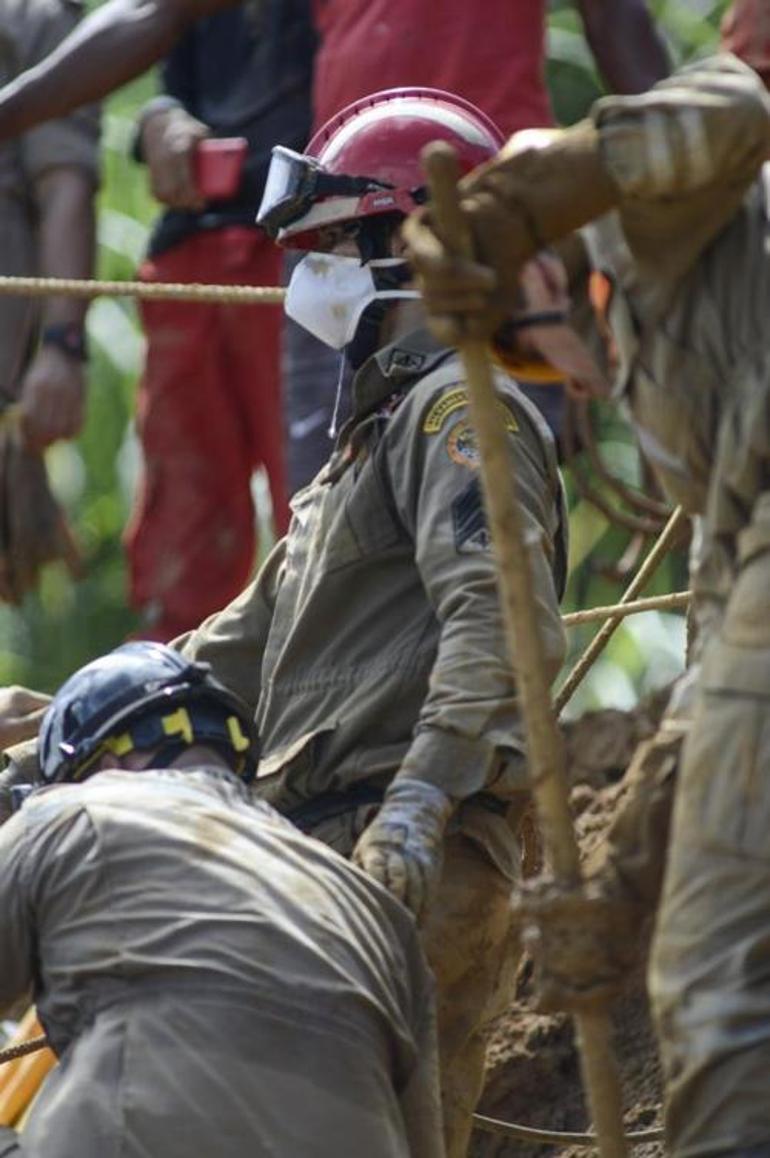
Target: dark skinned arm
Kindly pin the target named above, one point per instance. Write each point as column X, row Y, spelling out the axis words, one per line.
column 65, row 200
column 627, row 47
column 111, row 46
column 53, row 387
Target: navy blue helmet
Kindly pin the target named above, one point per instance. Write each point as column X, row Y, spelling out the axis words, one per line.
column 142, row 696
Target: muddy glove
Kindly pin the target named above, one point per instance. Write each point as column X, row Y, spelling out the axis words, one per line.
column 402, row 847
column 583, row 943
column 543, row 185
column 22, row 768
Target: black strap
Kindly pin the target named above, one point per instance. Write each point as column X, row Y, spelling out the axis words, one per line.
column 328, row 805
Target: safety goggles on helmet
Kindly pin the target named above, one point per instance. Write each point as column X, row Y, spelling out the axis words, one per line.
column 297, row 183
column 365, row 164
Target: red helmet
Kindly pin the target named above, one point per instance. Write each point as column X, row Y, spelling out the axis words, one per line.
column 365, row 161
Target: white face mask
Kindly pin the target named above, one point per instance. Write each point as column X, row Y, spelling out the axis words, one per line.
column 327, row 295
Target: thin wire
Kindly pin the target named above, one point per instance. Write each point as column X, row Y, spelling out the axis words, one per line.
column 557, row 1137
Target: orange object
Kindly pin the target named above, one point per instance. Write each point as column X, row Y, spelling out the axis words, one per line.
column 21, row 1079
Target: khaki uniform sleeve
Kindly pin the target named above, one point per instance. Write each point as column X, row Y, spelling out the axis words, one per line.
column 71, row 140
column 16, row 933
column 469, row 732
column 683, row 156
column 233, row 640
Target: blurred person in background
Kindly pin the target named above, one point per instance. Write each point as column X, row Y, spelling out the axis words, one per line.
column 48, row 178
column 497, row 63
column 209, row 406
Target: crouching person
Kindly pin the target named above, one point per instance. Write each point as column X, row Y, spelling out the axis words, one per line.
column 212, row 981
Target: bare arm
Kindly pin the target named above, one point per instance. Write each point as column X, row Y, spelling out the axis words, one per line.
column 65, row 203
column 111, row 46
column 625, row 42
column 53, row 388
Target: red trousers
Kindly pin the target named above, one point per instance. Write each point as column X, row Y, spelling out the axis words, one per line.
column 209, row 413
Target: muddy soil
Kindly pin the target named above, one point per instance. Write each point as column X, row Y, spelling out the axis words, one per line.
column 532, row 1075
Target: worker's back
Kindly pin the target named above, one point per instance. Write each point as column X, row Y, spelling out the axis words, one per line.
column 214, row 981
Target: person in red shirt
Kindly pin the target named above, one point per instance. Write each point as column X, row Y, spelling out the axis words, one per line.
column 493, row 56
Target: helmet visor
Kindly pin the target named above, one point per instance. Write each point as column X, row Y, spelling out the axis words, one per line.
column 290, row 189
column 296, row 183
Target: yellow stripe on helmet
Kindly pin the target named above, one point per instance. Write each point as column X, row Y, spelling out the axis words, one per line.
column 178, row 724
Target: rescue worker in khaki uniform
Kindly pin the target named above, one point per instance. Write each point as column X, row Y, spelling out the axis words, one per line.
column 48, row 178
column 371, row 645
column 684, row 167
column 212, row 981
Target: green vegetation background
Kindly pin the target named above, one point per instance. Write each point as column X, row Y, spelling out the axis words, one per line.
column 67, row 622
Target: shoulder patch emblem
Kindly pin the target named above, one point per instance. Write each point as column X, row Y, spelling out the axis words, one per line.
column 469, row 521
column 461, row 445
column 457, row 399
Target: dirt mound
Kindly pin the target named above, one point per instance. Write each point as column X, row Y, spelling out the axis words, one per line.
column 533, row 1071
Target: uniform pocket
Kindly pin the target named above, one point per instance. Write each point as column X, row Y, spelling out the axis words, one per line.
column 366, row 524
column 370, row 516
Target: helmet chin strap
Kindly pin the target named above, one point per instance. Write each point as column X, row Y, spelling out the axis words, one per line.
column 366, row 340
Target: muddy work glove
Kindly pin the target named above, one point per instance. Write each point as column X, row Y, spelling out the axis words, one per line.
column 23, row 768
column 402, row 847
column 583, row 942
column 542, row 186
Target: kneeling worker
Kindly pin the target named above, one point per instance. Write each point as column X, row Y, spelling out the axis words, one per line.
column 212, row 981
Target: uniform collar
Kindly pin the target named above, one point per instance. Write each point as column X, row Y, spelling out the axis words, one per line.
column 395, row 368
column 387, row 375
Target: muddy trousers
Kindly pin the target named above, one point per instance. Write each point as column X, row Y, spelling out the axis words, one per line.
column 470, row 945
column 471, row 948
column 710, row 966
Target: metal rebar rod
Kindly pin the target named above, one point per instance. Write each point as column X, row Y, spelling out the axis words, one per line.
column 663, row 545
